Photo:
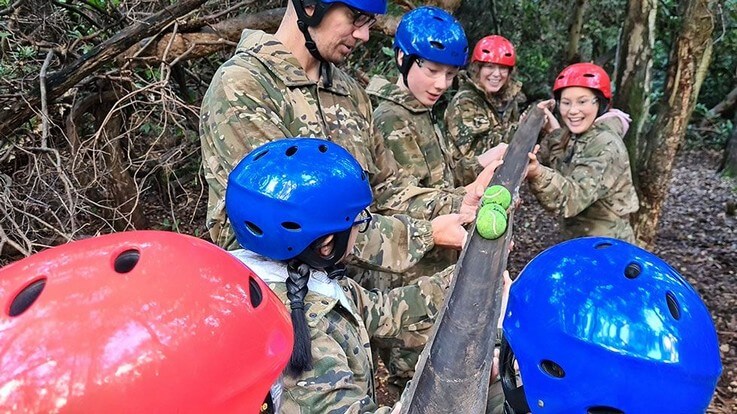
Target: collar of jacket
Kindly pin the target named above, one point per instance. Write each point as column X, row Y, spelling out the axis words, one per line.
column 383, row 89
column 281, row 62
column 508, row 92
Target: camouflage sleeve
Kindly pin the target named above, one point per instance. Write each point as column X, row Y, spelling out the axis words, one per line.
column 594, row 168
column 232, row 123
column 402, row 310
column 393, row 243
column 471, row 129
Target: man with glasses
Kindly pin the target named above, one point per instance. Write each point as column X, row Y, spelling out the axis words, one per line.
column 287, row 84
column 430, row 48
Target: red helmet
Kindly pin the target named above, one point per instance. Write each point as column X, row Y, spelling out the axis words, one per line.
column 587, row 75
column 494, row 49
column 140, row 321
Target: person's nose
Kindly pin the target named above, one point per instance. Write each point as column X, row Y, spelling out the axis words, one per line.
column 362, row 33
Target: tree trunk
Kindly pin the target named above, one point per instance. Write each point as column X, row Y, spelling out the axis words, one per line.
column 633, row 74
column 574, row 32
column 729, row 165
column 689, row 60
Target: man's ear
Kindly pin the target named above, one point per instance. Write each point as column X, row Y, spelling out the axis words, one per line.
column 400, row 57
column 310, row 10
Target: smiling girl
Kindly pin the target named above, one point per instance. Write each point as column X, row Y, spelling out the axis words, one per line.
column 586, row 175
column 487, row 104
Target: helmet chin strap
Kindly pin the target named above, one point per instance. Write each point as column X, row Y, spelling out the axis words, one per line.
column 304, row 22
column 407, row 61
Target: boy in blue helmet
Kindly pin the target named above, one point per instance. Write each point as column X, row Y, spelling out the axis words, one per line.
column 598, row 325
column 297, row 206
column 430, row 47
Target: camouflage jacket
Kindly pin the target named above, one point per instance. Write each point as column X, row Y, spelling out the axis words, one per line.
column 421, row 149
column 588, row 181
column 342, row 318
column 419, row 146
column 262, row 94
column 476, row 121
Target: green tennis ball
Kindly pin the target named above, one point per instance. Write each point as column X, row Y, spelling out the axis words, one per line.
column 497, row 194
column 498, row 208
column 490, row 223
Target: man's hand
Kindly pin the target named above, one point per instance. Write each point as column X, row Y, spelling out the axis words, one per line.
column 448, row 231
column 475, row 190
column 492, row 154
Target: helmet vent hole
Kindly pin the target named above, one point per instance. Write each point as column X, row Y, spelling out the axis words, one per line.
column 291, row 226
column 604, row 410
column 632, row 270
column 602, row 245
column 126, row 261
column 673, row 306
column 26, row 297
column 552, row 369
column 255, row 293
column 260, row 154
column 254, row 229
column 589, row 75
column 291, row 151
column 486, row 50
column 322, row 148
column 437, row 45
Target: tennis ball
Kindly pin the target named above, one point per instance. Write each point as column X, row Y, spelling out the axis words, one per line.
column 498, row 208
column 497, row 194
column 490, row 223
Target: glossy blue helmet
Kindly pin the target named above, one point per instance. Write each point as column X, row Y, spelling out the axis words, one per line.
column 599, row 325
column 288, row 193
column 432, row 34
column 366, row 6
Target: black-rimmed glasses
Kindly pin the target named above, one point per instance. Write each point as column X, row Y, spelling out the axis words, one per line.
column 361, row 19
column 363, row 220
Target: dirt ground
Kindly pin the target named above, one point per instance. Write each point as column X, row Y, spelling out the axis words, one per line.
column 697, row 237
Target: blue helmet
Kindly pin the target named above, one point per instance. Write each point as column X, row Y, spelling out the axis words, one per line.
column 288, row 193
column 432, row 34
column 366, row 6
column 599, row 323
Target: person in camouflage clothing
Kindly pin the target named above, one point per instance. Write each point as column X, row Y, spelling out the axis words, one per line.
column 430, row 47
column 287, row 84
column 586, row 175
column 297, row 206
column 486, row 108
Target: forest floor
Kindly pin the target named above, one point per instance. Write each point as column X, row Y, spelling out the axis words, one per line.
column 696, row 236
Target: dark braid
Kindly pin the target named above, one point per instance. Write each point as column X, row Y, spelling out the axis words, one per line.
column 301, row 360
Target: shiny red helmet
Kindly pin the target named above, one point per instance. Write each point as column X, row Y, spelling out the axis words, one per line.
column 587, row 75
column 141, row 321
column 494, row 49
